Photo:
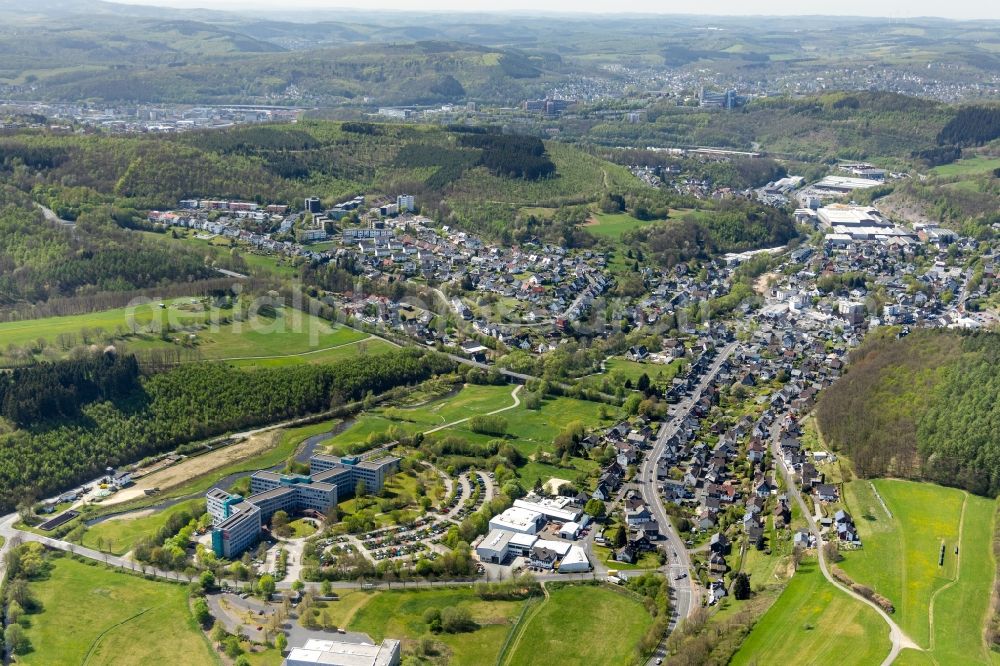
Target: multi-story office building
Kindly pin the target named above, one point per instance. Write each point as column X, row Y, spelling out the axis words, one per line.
column 237, row 522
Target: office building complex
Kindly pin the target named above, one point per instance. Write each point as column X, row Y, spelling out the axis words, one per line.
column 237, row 521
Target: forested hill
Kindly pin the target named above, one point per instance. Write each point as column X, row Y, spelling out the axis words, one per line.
column 79, row 416
column 40, row 260
column 476, row 178
column 926, row 406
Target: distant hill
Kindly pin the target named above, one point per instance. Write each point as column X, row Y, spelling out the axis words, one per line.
column 925, row 406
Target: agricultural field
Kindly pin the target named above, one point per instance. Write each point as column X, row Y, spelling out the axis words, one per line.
column 942, row 607
column 287, row 337
column 400, row 615
column 812, row 617
column 98, row 616
column 582, row 624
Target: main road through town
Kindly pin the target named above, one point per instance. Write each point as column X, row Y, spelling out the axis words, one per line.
column 687, row 593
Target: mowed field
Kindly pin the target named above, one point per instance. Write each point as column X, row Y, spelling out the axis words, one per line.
column 814, row 622
column 577, row 624
column 290, row 336
column 581, row 624
column 97, row 616
column 940, row 606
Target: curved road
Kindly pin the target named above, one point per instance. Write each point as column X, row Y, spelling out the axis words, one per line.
column 897, row 636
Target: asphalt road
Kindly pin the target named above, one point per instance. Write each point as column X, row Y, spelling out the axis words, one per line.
column 687, row 593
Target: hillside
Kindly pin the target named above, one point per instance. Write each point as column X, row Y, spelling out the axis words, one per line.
column 476, row 179
column 923, row 407
column 846, row 125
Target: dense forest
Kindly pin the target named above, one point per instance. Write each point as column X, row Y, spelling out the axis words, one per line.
column 188, row 403
column 925, row 406
column 972, row 126
column 511, row 155
column 57, row 391
column 40, row 260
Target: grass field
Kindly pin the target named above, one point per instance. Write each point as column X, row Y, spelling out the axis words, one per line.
column 582, row 624
column 400, row 615
column 632, row 370
column 96, row 616
column 118, row 535
column 338, row 352
column 530, row 431
column 287, row 338
column 971, row 166
column 614, row 225
column 814, row 622
column 957, row 593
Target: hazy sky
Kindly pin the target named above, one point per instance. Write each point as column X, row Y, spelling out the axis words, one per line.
column 959, row 9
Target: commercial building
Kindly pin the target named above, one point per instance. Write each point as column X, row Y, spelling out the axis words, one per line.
column 575, row 561
column 341, row 653
column 516, row 519
column 237, row 522
column 561, row 509
column 840, row 215
column 313, row 205
column 844, row 184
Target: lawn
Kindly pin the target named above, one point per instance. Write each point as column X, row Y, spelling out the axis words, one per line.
column 301, row 528
column 924, row 516
column 582, row 624
column 648, row 560
column 814, row 618
column 529, row 430
column 613, row 225
column 96, row 616
column 400, row 615
column 632, row 370
column 118, row 535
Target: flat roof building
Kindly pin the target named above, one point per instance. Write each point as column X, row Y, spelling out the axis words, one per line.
column 516, row 519
column 556, row 508
column 575, row 561
column 839, row 215
column 341, row 653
